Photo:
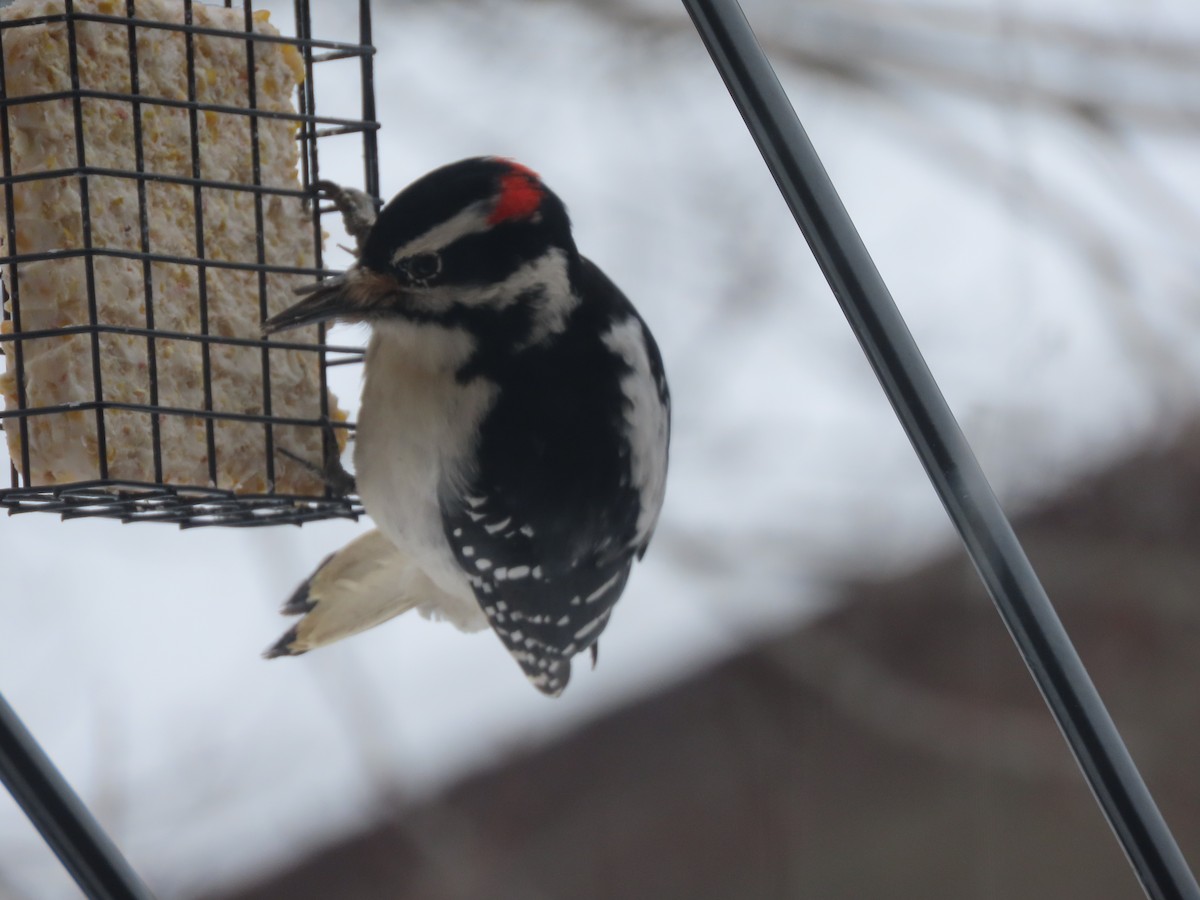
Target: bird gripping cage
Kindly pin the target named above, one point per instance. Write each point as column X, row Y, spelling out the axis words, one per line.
column 155, row 208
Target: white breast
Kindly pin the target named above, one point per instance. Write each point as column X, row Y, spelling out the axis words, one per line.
column 416, row 431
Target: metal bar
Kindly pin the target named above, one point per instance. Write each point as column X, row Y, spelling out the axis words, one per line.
column 89, row 262
column 162, row 333
column 80, row 253
column 57, row 812
column 345, row 126
column 210, row 438
column 264, row 419
column 139, row 162
column 260, row 247
column 312, row 167
column 370, row 138
column 943, row 451
column 186, row 27
column 10, row 312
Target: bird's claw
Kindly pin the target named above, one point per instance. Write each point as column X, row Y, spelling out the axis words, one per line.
column 332, row 473
column 357, row 209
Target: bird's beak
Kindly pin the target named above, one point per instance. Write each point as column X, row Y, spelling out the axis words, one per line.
column 351, row 296
column 323, row 300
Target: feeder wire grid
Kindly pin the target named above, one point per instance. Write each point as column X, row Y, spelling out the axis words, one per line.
column 155, row 492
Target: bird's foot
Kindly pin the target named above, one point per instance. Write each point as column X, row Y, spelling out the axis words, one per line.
column 340, row 482
column 357, row 209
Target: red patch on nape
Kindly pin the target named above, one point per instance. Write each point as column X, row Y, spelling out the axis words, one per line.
column 520, row 195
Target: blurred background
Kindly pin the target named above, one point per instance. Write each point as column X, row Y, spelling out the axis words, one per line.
column 804, row 692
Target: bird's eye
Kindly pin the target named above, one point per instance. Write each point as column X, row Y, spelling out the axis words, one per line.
column 423, row 267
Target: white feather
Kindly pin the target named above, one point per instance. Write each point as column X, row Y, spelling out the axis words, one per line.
column 470, row 220
column 547, row 274
column 416, row 434
column 363, row 585
column 647, row 422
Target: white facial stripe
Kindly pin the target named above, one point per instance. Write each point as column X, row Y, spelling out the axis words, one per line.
column 647, row 425
column 547, row 274
column 548, row 270
column 469, row 221
column 557, row 301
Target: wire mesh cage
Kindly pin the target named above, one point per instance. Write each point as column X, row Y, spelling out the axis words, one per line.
column 155, row 208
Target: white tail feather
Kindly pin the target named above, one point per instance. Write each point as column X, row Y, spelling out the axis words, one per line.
column 360, row 586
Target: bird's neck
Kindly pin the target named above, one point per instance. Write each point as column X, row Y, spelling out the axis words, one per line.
column 422, row 347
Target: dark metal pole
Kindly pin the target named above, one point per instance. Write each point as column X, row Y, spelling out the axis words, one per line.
column 76, row 838
column 370, row 133
column 943, row 451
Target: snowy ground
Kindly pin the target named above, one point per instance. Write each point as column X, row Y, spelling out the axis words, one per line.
column 132, row 651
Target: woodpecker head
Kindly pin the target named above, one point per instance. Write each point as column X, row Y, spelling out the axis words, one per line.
column 481, row 245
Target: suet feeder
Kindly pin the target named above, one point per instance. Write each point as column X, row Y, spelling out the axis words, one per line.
column 155, row 208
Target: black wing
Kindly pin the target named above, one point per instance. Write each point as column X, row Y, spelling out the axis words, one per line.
column 543, row 613
column 546, row 530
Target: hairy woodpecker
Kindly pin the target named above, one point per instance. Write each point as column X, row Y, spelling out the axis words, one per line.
column 512, row 441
